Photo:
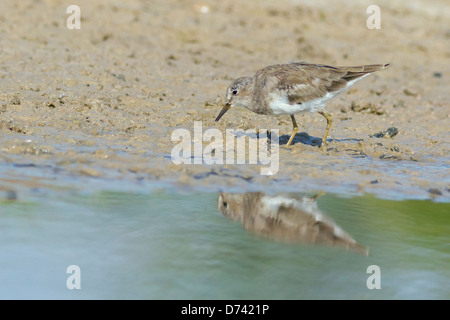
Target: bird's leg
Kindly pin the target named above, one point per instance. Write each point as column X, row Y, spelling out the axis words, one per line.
column 294, row 123
column 329, row 121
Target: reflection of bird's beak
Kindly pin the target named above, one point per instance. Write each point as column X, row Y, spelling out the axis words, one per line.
column 225, row 108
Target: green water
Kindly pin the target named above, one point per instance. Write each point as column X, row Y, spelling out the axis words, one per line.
column 166, row 245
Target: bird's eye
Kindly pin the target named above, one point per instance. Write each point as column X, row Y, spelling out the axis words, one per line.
column 234, row 92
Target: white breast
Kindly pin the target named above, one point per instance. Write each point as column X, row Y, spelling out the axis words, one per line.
column 282, row 106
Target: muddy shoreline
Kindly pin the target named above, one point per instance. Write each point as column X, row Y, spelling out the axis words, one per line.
column 101, row 103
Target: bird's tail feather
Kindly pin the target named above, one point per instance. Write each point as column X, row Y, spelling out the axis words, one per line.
column 359, row 71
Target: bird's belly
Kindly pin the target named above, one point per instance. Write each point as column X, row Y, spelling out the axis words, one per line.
column 281, row 105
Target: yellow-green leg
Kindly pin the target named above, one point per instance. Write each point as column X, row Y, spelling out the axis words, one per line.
column 294, row 123
column 329, row 121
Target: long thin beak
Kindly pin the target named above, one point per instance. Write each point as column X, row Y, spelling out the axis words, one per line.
column 225, row 108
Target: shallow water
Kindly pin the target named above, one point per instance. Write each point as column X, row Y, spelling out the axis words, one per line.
column 168, row 245
column 87, row 111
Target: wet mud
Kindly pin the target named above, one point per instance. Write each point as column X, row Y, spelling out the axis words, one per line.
column 102, row 102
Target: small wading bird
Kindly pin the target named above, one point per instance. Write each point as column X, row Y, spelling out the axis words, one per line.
column 288, row 89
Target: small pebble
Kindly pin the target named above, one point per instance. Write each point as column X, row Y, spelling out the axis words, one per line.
column 390, row 132
column 410, row 93
column 11, row 195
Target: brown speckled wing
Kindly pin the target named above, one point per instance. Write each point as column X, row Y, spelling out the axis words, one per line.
column 304, row 82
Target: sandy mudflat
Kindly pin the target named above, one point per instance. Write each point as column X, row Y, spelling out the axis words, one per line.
column 102, row 102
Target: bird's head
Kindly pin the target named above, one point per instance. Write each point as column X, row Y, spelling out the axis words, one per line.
column 239, row 94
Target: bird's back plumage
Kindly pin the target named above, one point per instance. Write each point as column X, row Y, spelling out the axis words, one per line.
column 304, row 82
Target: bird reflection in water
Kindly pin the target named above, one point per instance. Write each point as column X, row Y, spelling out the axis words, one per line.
column 287, row 218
